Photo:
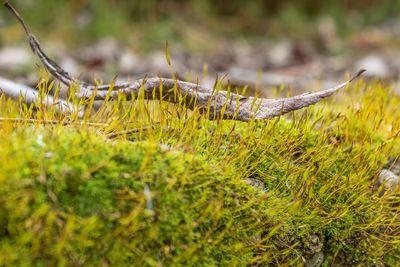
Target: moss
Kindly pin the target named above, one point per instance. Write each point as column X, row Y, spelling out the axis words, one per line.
column 74, row 198
column 177, row 194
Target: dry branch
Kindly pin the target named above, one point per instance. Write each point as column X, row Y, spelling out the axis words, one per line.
column 222, row 105
column 31, row 96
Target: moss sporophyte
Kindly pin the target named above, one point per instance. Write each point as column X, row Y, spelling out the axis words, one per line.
column 151, row 183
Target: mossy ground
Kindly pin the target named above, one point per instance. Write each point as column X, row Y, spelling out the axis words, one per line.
column 177, row 193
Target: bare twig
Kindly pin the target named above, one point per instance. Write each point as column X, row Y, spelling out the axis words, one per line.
column 219, row 105
column 31, row 96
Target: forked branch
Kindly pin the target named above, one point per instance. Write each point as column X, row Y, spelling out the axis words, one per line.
column 222, row 104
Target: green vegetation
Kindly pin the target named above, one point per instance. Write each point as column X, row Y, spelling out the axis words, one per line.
column 179, row 194
column 148, row 23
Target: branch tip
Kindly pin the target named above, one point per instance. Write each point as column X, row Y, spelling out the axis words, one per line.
column 359, row 73
column 17, row 15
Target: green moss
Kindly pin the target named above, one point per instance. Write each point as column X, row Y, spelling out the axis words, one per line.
column 177, row 194
column 74, row 198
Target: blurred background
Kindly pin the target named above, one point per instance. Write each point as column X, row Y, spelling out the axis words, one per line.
column 259, row 43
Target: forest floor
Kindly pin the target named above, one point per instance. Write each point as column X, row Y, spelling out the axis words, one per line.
column 316, row 187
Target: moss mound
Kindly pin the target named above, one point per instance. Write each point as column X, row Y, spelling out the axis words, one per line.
column 73, row 198
column 191, row 192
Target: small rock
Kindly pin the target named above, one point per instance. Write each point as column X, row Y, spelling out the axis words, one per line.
column 396, row 168
column 388, row 179
column 31, row 79
column 314, row 255
column 256, row 183
column 69, row 65
column 159, row 61
column 253, row 56
column 302, row 51
column 375, row 66
column 221, row 58
column 104, row 51
column 128, row 62
column 280, row 54
column 14, row 57
column 316, row 260
column 315, row 244
column 165, row 147
column 393, row 165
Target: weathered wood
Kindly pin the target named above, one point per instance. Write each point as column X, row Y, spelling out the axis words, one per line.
column 31, row 96
column 218, row 104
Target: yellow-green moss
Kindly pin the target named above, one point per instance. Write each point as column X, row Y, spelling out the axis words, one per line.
column 74, row 198
column 177, row 194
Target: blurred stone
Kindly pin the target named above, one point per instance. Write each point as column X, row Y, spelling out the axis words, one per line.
column 165, row 147
column 256, row 183
column 222, row 58
column 158, row 61
column 327, row 33
column 393, row 165
column 369, row 38
column 69, row 65
column 31, row 79
column 396, row 168
column 315, row 244
column 252, row 56
column 14, row 57
column 302, row 51
column 128, row 62
column 193, row 60
column 313, row 251
column 388, row 180
column 375, row 66
column 281, row 53
column 104, row 51
column 316, row 260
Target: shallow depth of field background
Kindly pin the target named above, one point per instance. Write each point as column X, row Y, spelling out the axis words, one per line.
column 294, row 42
